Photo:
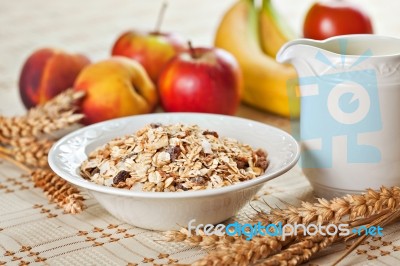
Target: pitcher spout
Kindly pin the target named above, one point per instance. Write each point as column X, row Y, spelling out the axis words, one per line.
column 339, row 51
column 298, row 53
column 295, row 49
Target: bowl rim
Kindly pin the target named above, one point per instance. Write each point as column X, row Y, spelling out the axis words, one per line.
column 91, row 186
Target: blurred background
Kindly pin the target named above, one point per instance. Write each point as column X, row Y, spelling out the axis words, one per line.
column 90, row 27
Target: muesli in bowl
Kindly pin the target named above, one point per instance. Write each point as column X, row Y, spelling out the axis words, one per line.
column 173, row 158
column 74, row 158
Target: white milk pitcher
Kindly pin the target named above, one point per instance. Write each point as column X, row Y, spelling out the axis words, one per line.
column 350, row 111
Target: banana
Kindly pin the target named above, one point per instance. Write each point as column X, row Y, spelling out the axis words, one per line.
column 264, row 79
column 273, row 31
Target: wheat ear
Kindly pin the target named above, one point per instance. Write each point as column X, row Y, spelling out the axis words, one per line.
column 243, row 252
column 335, row 210
column 58, row 190
column 54, row 115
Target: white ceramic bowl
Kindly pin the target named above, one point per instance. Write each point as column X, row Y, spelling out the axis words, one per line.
column 169, row 210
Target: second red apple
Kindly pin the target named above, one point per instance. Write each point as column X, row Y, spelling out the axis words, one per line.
column 207, row 80
column 151, row 49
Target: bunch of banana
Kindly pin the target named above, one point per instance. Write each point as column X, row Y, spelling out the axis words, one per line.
column 254, row 36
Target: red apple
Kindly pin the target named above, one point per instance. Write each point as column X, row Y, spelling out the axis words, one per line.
column 332, row 18
column 46, row 73
column 151, row 49
column 205, row 80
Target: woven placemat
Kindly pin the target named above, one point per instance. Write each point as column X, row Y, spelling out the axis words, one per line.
column 34, row 231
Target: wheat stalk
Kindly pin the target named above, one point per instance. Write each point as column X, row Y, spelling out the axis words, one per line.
column 299, row 252
column 370, row 209
column 14, row 162
column 293, row 251
column 52, row 116
column 382, row 220
column 323, row 211
column 351, row 206
column 58, row 190
column 30, row 151
column 22, row 145
column 202, row 240
column 243, row 252
column 54, row 187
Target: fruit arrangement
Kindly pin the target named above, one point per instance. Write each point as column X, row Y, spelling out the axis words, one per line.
column 151, row 67
column 242, row 65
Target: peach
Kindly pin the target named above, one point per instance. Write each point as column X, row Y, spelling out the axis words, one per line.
column 115, row 87
column 46, row 73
